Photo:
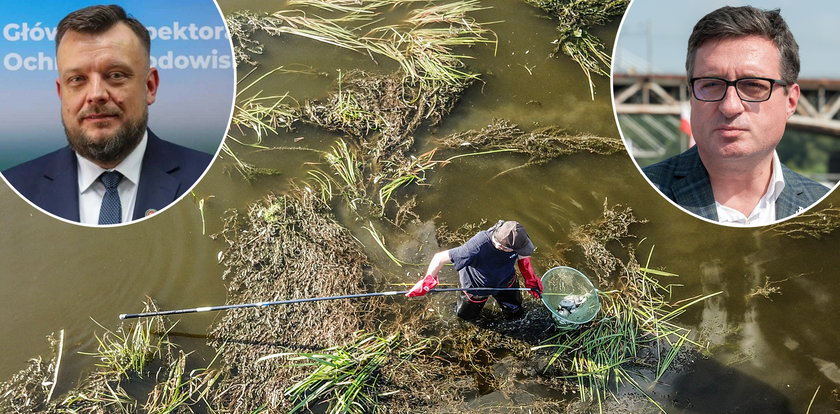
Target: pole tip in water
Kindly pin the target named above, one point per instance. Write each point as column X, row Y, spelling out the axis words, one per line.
column 122, row 316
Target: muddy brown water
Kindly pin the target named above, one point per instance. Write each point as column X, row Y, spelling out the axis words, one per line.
column 766, row 355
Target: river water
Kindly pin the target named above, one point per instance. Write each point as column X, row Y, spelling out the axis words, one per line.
column 766, row 355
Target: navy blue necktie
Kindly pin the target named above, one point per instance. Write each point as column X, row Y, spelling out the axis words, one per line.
column 111, row 210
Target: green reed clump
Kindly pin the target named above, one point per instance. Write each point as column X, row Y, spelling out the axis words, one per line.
column 126, row 351
column 635, row 331
column 175, row 391
column 346, row 378
column 574, row 20
column 423, row 53
column 98, row 393
column 139, row 353
column 349, row 169
column 262, row 114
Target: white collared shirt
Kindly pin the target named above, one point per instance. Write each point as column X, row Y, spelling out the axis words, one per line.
column 91, row 190
column 765, row 211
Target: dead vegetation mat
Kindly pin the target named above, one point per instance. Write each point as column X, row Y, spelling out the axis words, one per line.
column 27, row 390
column 542, row 144
column 284, row 247
column 290, row 247
column 382, row 112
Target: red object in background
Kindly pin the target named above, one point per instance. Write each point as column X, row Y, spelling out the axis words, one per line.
column 685, row 123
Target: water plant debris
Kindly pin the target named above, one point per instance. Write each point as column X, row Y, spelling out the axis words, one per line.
column 575, row 19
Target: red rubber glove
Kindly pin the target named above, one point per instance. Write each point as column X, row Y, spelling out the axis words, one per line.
column 531, row 280
column 423, row 286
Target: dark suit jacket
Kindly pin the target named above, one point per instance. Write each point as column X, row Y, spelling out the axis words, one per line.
column 51, row 181
column 684, row 180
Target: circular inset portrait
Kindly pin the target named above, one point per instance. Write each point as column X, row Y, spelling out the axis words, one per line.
column 731, row 112
column 112, row 112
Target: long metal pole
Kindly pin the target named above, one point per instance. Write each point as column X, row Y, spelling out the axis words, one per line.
column 289, row 301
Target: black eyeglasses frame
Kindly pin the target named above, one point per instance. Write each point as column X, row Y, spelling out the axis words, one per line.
column 773, row 82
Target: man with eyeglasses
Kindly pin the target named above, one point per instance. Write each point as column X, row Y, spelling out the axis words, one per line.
column 487, row 261
column 742, row 66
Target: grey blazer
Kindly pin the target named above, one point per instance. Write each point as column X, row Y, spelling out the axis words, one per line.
column 684, row 180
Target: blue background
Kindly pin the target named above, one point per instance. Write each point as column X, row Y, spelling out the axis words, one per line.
column 193, row 106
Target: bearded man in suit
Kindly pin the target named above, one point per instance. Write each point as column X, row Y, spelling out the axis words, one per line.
column 114, row 169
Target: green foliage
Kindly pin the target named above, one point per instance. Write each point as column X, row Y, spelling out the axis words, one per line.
column 807, row 152
column 344, row 378
column 349, row 170
column 126, row 351
column 125, row 355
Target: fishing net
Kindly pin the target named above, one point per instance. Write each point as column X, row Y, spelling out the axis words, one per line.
column 570, row 296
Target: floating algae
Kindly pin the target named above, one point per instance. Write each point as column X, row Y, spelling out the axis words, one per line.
column 593, row 238
column 542, row 145
column 815, row 224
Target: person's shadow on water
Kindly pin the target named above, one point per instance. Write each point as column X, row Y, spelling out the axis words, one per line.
column 707, row 386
